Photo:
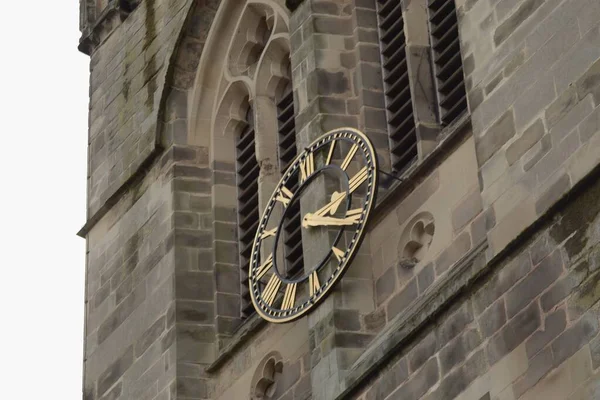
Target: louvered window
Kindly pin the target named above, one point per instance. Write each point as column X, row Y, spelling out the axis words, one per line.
column 292, row 237
column 248, row 213
column 443, row 26
column 401, row 123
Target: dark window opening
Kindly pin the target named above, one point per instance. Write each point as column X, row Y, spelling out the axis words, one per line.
column 448, row 69
column 248, row 213
column 293, row 253
column 398, row 101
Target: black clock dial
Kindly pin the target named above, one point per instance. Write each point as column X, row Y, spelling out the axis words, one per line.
column 345, row 159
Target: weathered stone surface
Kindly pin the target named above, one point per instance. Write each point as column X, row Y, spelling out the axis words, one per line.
column 524, row 11
column 538, row 367
column 554, row 325
column 575, row 338
column 459, row 247
column 535, row 283
column 530, row 137
column 401, row 300
column 564, row 287
column 425, row 277
column 385, row 286
column 552, row 194
column 495, row 137
column 513, row 334
column 114, row 372
column 419, row 383
column 469, row 207
column 426, row 348
column 457, row 350
column 492, row 318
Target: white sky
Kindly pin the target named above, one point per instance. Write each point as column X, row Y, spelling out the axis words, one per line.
column 43, row 125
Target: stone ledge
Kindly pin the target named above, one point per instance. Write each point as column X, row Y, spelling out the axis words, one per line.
column 402, row 328
column 243, row 334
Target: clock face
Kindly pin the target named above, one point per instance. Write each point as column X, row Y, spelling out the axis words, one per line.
column 329, row 190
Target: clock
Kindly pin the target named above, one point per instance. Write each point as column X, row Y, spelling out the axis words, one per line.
column 333, row 183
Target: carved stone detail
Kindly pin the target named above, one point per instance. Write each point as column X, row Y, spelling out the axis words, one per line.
column 266, row 377
column 416, row 239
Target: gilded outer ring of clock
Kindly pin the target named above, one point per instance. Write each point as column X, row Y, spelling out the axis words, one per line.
column 360, row 144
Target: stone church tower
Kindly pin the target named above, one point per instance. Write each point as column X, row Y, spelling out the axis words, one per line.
column 479, row 274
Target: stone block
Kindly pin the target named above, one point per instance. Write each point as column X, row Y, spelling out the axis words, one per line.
column 228, row 305
column 425, row 277
column 385, row 286
column 589, row 82
column 352, row 340
column 419, row 383
column 375, row 320
column 513, row 334
column 459, row 379
column 149, row 336
column 531, row 136
column 227, row 278
column 538, row 367
column 511, row 225
column 195, row 311
column 346, row 320
column 564, row 287
column 459, row 247
column 554, row 325
column 194, row 285
column 114, row 372
column 506, row 28
column 418, row 197
column 586, row 296
column 495, row 137
column 456, row 351
column 535, row 283
column 422, row 352
column 552, row 193
column 590, row 125
column 492, row 318
column 454, row 324
column 401, row 300
column 595, row 352
column 468, row 208
column 574, row 338
column 391, row 379
column 121, row 313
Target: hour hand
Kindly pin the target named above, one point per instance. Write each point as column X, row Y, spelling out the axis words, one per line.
column 331, row 208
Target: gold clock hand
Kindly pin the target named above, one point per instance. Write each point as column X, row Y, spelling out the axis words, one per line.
column 331, row 208
column 316, row 220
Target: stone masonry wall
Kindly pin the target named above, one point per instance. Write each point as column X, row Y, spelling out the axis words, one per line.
column 529, row 329
column 127, row 76
column 532, row 69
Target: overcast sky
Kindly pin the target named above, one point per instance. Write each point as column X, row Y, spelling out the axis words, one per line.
column 43, row 114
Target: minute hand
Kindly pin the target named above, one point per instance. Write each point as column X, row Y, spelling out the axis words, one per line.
column 316, row 220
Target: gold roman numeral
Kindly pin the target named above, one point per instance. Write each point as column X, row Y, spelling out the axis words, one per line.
column 266, row 234
column 284, row 196
column 271, row 289
column 330, row 155
column 349, row 156
column 289, row 298
column 262, row 270
column 307, row 167
column 313, row 283
column 358, row 179
column 338, row 253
